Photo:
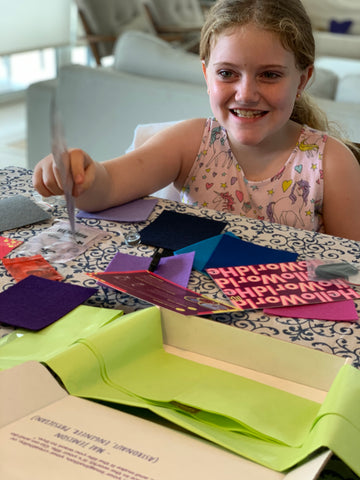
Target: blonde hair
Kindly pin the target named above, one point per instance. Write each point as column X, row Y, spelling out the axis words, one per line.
column 287, row 19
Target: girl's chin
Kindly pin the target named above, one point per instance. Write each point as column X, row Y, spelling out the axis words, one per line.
column 250, row 134
column 244, row 124
column 249, row 139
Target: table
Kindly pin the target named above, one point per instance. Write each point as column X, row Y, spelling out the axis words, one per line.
column 337, row 338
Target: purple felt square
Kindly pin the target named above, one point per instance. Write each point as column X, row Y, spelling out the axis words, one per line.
column 136, row 211
column 176, row 269
column 36, row 302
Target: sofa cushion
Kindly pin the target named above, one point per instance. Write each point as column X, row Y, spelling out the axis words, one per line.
column 145, row 54
column 323, row 12
column 344, row 115
column 337, row 45
column 323, row 84
column 339, row 65
column 348, row 89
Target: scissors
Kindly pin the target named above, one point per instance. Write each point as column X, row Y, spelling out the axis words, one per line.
column 62, row 161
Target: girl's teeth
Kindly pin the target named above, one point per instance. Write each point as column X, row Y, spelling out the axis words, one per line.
column 248, row 113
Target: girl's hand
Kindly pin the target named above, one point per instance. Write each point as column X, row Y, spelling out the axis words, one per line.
column 46, row 178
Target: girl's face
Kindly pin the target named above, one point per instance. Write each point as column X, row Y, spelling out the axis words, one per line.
column 252, row 84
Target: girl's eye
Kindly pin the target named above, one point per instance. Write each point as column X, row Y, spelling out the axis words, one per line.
column 271, row 75
column 225, row 74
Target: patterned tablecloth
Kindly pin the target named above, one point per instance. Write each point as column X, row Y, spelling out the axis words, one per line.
column 339, row 338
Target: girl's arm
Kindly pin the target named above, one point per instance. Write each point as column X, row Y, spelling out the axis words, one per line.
column 341, row 191
column 164, row 158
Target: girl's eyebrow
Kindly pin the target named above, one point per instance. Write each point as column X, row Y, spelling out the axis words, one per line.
column 266, row 66
column 275, row 66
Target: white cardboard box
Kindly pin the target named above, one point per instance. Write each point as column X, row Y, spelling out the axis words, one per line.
column 46, row 433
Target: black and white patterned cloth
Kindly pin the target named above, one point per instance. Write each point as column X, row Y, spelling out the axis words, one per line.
column 339, row 338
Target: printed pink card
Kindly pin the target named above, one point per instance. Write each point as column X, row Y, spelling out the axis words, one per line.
column 277, row 285
column 161, row 292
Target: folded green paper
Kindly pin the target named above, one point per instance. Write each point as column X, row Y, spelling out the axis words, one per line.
column 23, row 345
column 125, row 363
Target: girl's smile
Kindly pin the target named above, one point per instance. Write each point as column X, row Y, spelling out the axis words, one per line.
column 252, row 83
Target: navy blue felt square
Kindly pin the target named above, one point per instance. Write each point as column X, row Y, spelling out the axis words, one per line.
column 173, row 230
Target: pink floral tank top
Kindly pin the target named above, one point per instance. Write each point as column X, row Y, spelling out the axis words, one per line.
column 294, row 196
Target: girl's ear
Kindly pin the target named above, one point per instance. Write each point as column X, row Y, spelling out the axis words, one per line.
column 204, row 69
column 305, row 77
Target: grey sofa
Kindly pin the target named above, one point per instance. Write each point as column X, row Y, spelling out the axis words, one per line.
column 149, row 82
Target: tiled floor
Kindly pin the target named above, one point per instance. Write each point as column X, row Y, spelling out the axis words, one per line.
column 13, row 134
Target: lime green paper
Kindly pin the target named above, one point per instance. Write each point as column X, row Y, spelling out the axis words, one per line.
column 125, row 363
column 24, row 345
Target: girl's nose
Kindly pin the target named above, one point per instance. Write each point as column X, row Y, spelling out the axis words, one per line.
column 246, row 90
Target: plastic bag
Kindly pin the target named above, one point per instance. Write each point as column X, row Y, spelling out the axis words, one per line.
column 57, row 243
column 320, row 270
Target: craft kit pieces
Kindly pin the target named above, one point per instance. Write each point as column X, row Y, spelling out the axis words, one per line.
column 22, row 267
column 319, row 269
column 267, row 425
column 177, row 268
column 227, row 249
column 161, row 292
column 19, row 211
column 7, row 245
column 36, row 302
column 57, row 244
column 62, row 159
column 23, row 345
column 342, row 311
column 173, row 230
column 136, row 211
column 277, row 285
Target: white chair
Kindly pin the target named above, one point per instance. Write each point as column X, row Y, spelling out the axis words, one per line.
column 176, row 21
column 177, row 13
column 104, row 21
column 141, row 134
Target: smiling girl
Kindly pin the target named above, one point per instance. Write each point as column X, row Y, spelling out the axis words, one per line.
column 267, row 153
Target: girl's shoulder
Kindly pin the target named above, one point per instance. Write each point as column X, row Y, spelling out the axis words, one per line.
column 182, row 135
column 341, row 190
column 338, row 152
column 182, row 141
column 340, row 166
column 333, row 146
column 190, row 126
